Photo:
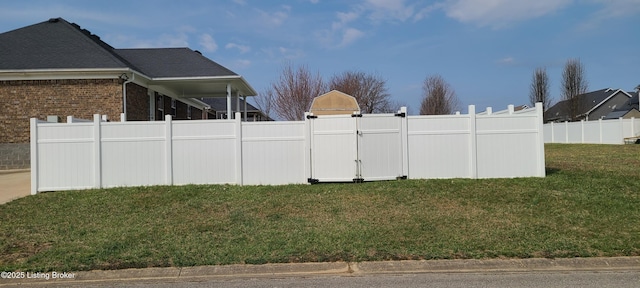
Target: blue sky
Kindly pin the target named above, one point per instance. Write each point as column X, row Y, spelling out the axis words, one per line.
column 485, row 49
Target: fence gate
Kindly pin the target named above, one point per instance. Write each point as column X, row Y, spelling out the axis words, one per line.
column 346, row 148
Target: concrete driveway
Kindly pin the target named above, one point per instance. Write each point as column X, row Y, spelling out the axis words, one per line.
column 14, row 184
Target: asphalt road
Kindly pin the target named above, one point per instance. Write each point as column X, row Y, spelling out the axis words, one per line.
column 586, row 279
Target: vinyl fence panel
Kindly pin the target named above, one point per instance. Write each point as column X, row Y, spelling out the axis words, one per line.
column 204, row 152
column 66, row 154
column 133, row 153
column 273, row 153
column 81, row 155
column 502, row 139
column 334, row 148
column 612, row 131
column 380, row 150
column 439, row 146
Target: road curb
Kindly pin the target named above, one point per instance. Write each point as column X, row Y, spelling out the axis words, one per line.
column 339, row 268
column 176, row 273
column 499, row 265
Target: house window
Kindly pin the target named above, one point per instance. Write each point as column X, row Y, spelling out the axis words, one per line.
column 160, row 107
column 189, row 112
column 173, row 107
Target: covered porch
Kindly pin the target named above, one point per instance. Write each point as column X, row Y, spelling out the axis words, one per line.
column 193, row 89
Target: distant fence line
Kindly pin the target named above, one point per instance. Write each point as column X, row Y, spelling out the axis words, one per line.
column 613, row 131
column 368, row 147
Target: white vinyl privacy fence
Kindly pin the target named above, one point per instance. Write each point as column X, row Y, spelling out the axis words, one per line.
column 345, row 148
column 614, row 131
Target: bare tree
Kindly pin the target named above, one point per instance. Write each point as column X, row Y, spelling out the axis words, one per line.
column 294, row 91
column 265, row 101
column 438, row 97
column 539, row 90
column 369, row 90
column 573, row 85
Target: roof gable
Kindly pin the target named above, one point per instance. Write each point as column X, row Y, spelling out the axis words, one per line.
column 55, row 44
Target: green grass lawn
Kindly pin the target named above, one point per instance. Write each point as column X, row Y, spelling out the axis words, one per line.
column 588, row 205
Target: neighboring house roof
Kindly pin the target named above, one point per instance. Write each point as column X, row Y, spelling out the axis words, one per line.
column 629, row 106
column 521, row 107
column 632, row 103
column 615, row 115
column 220, row 104
column 588, row 102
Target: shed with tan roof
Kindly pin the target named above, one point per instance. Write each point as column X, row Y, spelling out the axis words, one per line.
column 334, row 103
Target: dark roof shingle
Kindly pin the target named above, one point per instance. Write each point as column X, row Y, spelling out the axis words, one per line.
column 55, row 44
column 173, row 62
column 58, row 44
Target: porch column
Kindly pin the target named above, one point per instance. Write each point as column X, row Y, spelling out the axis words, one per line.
column 237, row 103
column 152, row 105
column 229, row 114
column 245, row 107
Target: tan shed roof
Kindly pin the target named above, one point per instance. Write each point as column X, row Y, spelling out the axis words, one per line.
column 334, row 103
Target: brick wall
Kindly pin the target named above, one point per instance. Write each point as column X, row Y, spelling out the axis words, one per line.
column 24, row 99
column 137, row 103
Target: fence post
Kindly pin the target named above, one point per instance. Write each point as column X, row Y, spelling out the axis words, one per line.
column 566, row 132
column 582, row 131
column 404, row 135
column 307, row 146
column 34, row 156
column 540, row 146
column 621, row 130
column 238, row 126
column 473, row 149
column 97, row 152
column 168, row 149
column 600, row 129
column 123, row 117
column 553, row 138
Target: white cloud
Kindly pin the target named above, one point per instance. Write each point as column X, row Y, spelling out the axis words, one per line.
column 314, row 1
column 347, row 17
column 344, row 19
column 275, row 19
column 208, row 43
column 500, row 13
column 507, row 61
column 424, row 12
column 612, row 9
column 350, row 35
column 242, row 48
column 389, row 10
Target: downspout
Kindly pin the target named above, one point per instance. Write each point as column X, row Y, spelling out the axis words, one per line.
column 124, row 92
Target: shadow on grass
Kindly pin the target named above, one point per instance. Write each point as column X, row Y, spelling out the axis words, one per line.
column 551, row 171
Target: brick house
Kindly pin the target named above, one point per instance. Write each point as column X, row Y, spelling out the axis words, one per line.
column 56, row 68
